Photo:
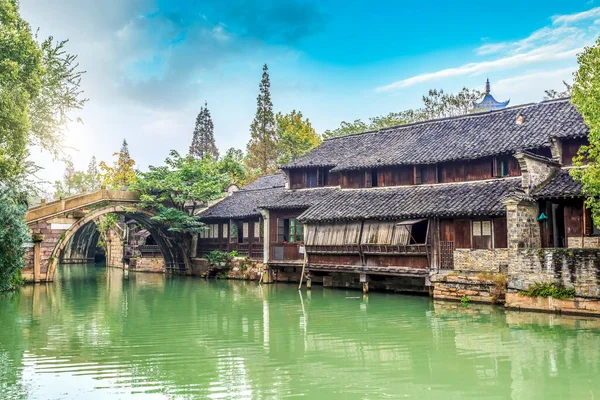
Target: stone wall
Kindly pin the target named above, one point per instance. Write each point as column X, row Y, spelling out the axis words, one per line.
column 481, row 260
column 586, row 242
column 577, row 269
column 535, row 170
column 478, row 288
column 147, row 264
column 583, row 306
column 114, row 249
column 522, row 225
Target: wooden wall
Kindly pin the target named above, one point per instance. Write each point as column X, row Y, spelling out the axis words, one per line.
column 297, row 178
column 291, row 250
column 459, row 232
column 570, row 147
column 456, row 171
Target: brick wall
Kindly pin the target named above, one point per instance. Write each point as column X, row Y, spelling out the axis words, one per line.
column 577, row 269
column 480, row 260
column 586, row 242
column 479, row 289
column 522, row 225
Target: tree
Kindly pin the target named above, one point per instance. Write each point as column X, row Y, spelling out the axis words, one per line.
column 203, row 142
column 586, row 92
column 21, row 72
column 14, row 234
column 436, row 104
column 59, row 96
column 295, row 136
column 94, row 179
column 178, row 188
column 121, row 175
column 262, row 147
column 554, row 94
column 233, row 164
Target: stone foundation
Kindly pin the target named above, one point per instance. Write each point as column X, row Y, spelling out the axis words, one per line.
column 147, row 264
column 481, row 260
column 577, row 305
column 482, row 288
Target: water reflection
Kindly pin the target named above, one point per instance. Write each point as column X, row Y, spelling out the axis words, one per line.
column 93, row 334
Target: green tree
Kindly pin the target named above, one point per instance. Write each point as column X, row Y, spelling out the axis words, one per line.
column 179, row 188
column 586, row 92
column 295, row 136
column 203, row 141
column 93, row 177
column 262, row 147
column 233, row 164
column 59, row 97
column 436, row 104
column 76, row 182
column 14, row 234
column 121, row 175
column 21, row 73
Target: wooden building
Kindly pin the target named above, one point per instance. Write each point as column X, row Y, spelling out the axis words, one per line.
column 235, row 223
column 416, row 199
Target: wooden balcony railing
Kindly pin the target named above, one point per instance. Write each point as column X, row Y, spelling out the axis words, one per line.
column 336, row 249
column 388, row 249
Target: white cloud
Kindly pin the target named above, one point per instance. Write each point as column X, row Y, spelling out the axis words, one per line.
column 562, row 40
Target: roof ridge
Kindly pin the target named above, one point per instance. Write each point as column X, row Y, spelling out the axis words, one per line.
column 443, row 119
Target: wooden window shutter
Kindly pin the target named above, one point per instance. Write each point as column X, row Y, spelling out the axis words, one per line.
column 418, row 175
column 368, row 178
column 589, row 225
column 462, row 233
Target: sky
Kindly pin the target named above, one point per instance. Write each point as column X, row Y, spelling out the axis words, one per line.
column 151, row 64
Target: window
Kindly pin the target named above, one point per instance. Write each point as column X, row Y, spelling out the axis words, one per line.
column 418, row 175
column 374, row 177
column 234, row 233
column 289, row 230
column 322, row 177
column 311, row 178
column 225, row 231
column 257, row 230
column 501, row 167
column 214, row 231
column 482, row 234
column 245, row 230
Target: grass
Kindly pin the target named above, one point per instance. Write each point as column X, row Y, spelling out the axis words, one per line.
column 548, row 289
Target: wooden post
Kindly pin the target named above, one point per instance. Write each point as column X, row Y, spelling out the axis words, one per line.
column 584, row 227
column 309, row 281
column 365, row 283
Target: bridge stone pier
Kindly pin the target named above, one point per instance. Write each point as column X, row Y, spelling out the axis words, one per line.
column 65, row 231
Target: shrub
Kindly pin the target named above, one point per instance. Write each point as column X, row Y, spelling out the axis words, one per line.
column 14, row 235
column 548, row 289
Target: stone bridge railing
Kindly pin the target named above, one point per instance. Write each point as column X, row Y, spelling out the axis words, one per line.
column 48, row 210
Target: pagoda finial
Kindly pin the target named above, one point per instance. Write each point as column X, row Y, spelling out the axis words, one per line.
column 487, row 86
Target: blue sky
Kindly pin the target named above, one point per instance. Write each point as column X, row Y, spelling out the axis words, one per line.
column 151, row 64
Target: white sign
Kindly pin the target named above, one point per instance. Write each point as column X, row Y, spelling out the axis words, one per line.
column 60, row 227
column 301, row 249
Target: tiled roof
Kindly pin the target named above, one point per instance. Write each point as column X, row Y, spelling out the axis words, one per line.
column 562, row 185
column 266, row 182
column 465, row 137
column 244, row 203
column 301, row 198
column 453, row 199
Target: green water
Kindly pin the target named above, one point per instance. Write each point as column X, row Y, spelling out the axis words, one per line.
column 97, row 334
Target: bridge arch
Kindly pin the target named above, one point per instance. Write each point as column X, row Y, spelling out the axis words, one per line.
column 48, row 222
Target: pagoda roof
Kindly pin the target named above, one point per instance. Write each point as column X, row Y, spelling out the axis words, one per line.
column 490, row 103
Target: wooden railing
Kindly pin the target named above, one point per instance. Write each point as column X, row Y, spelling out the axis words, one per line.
column 335, row 249
column 446, row 255
column 388, row 249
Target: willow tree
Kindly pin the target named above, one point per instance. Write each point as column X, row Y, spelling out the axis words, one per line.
column 585, row 95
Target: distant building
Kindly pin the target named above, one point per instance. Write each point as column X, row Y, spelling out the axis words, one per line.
column 489, row 103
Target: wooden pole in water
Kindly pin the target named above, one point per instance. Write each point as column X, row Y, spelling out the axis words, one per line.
column 303, row 268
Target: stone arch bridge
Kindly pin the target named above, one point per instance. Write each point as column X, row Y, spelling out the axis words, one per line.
column 67, row 227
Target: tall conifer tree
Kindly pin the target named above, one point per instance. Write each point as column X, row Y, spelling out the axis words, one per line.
column 203, row 142
column 262, row 148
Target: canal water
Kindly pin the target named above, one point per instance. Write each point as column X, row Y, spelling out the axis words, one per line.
column 96, row 333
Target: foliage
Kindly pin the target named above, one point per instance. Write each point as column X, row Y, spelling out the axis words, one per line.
column 554, row 94
column 203, row 141
column 233, row 164
column 75, row 182
column 178, row 188
column 548, row 289
column 465, row 300
column 586, row 92
column 21, row 72
column 14, row 234
column 221, row 258
column 105, row 223
column 59, row 96
column 436, row 104
column 262, row 147
column 295, row 136
column 121, row 175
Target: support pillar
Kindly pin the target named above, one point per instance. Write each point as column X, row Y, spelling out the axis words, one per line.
column 309, row 281
column 37, row 257
column 365, row 283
